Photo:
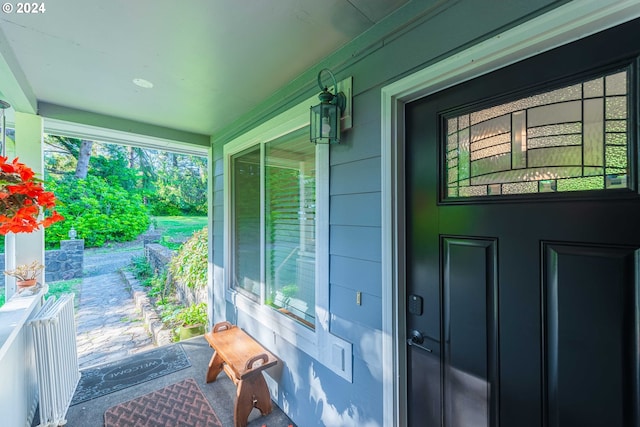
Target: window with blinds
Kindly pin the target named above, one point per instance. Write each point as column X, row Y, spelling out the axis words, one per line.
column 290, row 222
column 246, row 221
column 273, row 234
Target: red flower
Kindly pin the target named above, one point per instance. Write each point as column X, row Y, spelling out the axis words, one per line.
column 55, row 217
column 47, row 199
column 24, row 204
column 23, row 170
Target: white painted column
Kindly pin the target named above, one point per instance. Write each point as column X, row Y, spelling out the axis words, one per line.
column 28, row 247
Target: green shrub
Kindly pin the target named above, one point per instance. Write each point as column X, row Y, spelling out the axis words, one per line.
column 161, row 208
column 99, row 211
column 189, row 265
column 159, row 286
column 140, row 268
column 195, row 314
column 174, row 314
column 168, row 312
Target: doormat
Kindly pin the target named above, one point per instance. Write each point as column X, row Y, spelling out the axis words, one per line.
column 132, row 370
column 178, row 405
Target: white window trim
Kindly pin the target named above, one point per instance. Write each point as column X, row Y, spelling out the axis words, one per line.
column 330, row 350
column 569, row 22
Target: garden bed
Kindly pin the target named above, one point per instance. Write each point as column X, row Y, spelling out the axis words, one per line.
column 173, row 284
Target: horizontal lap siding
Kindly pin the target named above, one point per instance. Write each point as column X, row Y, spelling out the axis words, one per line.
column 356, row 274
column 343, row 305
column 355, row 242
column 355, row 249
column 355, row 209
column 311, row 393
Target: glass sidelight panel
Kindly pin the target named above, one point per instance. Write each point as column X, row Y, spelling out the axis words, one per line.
column 569, row 139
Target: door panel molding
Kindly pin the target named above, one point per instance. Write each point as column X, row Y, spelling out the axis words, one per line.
column 470, row 332
column 590, row 334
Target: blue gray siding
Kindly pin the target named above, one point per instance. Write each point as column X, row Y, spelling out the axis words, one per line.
column 309, row 392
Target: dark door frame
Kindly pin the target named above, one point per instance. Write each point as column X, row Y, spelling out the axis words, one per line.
column 558, row 27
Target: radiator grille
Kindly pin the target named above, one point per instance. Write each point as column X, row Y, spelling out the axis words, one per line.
column 58, row 373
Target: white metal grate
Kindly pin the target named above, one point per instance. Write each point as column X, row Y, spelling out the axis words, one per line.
column 54, row 335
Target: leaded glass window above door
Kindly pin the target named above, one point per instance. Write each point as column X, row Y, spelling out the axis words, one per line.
column 569, row 139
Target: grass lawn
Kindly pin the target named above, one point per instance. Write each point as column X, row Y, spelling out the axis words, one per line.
column 57, row 288
column 65, row 287
column 179, row 228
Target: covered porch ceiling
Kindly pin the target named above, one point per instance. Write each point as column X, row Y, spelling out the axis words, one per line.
column 210, row 61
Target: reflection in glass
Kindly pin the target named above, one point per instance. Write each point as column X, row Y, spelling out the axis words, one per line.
column 290, row 221
column 246, row 222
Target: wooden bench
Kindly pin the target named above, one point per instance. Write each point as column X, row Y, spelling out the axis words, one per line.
column 243, row 359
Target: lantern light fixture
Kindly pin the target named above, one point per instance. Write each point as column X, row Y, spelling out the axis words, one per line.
column 325, row 117
column 3, row 124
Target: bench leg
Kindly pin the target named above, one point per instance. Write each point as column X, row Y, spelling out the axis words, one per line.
column 215, row 366
column 252, row 392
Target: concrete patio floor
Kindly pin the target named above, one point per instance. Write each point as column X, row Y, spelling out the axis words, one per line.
column 221, row 394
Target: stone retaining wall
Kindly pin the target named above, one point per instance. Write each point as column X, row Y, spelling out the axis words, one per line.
column 65, row 263
column 159, row 332
column 158, row 257
column 60, row 264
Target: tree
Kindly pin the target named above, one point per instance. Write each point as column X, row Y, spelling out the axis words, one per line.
column 166, row 183
column 79, row 149
column 84, row 155
column 181, row 186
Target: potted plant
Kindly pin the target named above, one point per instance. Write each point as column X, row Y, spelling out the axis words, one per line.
column 26, row 275
column 24, row 204
column 192, row 320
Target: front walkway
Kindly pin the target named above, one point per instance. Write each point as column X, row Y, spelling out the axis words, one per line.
column 109, row 326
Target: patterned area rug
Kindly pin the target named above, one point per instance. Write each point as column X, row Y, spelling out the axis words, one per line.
column 178, row 405
column 108, row 378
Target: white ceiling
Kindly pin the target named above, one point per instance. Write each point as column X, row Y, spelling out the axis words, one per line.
column 210, row 61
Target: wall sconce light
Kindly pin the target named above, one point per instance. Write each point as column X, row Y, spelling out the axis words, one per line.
column 3, row 124
column 325, row 117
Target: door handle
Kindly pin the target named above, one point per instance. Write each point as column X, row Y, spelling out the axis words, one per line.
column 416, row 339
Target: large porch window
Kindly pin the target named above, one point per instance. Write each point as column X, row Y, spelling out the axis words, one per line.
column 276, row 237
column 274, row 211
